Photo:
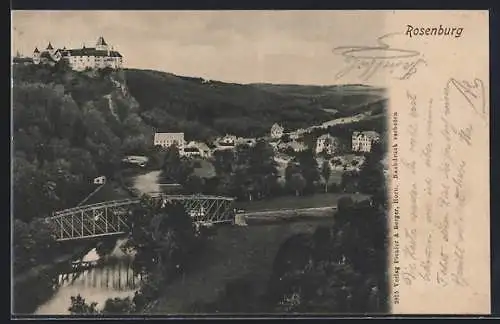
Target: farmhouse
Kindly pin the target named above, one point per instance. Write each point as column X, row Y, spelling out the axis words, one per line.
column 363, row 141
column 167, row 139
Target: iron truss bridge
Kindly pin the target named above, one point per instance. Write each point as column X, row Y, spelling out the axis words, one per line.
column 109, row 218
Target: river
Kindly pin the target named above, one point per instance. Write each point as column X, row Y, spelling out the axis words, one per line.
column 112, row 278
column 109, row 281
column 92, row 284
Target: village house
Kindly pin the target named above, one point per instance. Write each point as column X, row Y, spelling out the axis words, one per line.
column 363, row 141
column 347, row 162
column 327, row 144
column 136, row 160
column 99, row 57
column 196, row 149
column 226, row 142
column 276, row 131
column 167, row 139
column 100, row 180
column 246, row 141
column 296, row 134
column 296, row 146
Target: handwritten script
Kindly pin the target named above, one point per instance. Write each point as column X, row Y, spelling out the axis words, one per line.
column 429, row 246
column 367, row 61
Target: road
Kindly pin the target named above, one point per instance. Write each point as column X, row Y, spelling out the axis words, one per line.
column 147, row 183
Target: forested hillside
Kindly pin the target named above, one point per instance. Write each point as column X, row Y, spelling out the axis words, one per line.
column 68, row 128
column 204, row 108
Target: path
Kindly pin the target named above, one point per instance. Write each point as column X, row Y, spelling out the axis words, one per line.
column 147, row 183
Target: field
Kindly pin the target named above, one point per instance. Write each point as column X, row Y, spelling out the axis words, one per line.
column 292, row 202
column 234, row 253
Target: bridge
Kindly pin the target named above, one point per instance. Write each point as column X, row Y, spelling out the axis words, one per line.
column 117, row 275
column 109, row 218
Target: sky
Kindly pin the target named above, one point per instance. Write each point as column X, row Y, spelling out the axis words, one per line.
column 293, row 47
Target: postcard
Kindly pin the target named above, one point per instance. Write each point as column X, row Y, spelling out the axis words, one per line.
column 250, row 163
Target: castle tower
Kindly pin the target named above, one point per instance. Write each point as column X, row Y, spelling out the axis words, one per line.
column 50, row 49
column 101, row 44
column 36, row 56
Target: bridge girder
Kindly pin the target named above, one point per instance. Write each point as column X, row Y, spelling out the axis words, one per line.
column 109, row 218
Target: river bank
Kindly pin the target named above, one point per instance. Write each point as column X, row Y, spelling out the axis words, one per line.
column 57, row 301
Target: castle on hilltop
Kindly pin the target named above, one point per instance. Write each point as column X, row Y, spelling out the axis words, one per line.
column 99, row 57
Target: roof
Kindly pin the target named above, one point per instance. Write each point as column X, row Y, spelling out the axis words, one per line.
column 22, row 60
column 136, row 158
column 199, row 145
column 164, row 136
column 91, row 51
column 243, row 140
column 46, row 55
column 191, row 149
column 49, row 47
column 36, row 50
column 370, row 134
column 293, row 144
column 101, row 42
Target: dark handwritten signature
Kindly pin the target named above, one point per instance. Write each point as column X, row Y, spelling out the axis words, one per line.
column 382, row 51
column 369, row 60
column 473, row 92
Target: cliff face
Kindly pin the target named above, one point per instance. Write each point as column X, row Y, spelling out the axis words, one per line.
column 69, row 127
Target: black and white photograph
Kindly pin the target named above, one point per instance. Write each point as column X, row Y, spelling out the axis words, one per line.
column 198, row 163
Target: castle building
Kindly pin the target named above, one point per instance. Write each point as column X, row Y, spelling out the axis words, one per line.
column 98, row 57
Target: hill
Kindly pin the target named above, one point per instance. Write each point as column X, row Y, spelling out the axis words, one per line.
column 72, row 126
column 204, row 108
column 69, row 127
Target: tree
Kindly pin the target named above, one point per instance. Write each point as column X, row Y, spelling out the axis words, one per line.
column 308, row 168
column 343, row 270
column 297, row 183
column 262, row 169
column 223, row 161
column 194, row 184
column 80, row 307
column 119, row 306
column 326, row 171
column 163, row 237
column 372, row 180
column 174, row 167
